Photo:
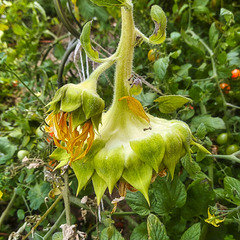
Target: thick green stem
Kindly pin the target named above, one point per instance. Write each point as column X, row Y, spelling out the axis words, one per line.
column 124, row 57
column 66, row 195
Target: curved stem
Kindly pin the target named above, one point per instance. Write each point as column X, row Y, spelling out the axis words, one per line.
column 125, row 56
column 63, row 62
column 43, row 217
column 9, row 206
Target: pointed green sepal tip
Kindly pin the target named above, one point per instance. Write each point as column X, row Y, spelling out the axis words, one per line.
column 139, row 175
column 150, row 150
column 99, row 186
column 109, row 165
column 83, row 171
column 173, row 152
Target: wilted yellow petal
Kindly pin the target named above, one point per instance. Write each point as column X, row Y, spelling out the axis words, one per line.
column 1, row 194
column 213, row 220
column 136, row 107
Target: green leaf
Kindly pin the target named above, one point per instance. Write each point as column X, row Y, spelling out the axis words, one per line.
column 156, row 229
column 57, row 236
column 168, row 195
column 171, row 103
column 109, row 3
column 138, row 203
column 213, row 35
column 18, row 29
column 160, row 67
column 201, row 131
column 37, row 194
column 160, row 20
column 194, row 43
column 7, row 150
column 199, row 3
column 227, row 15
column 192, row 233
column 86, row 42
column 20, row 214
column 211, row 123
column 199, row 197
column 140, row 232
column 110, row 233
column 190, row 166
column 232, row 189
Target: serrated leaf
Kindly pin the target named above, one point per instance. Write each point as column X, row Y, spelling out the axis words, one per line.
column 168, row 195
column 37, row 194
column 109, row 3
column 192, row 233
column 86, row 42
column 160, row 20
column 213, row 35
column 201, row 131
column 137, row 203
column 156, row 229
column 160, row 67
column 140, row 232
column 190, row 166
column 211, row 123
column 232, row 189
column 171, row 103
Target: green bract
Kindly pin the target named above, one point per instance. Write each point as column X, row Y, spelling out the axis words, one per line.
column 125, row 150
column 81, row 100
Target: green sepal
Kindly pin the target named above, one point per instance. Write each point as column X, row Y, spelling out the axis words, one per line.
column 139, row 175
column 109, row 165
column 200, row 147
column 173, row 151
column 109, row 3
column 55, row 103
column 184, row 132
column 99, row 186
column 78, row 117
column 86, row 42
column 71, row 98
column 150, row 150
column 83, row 171
column 92, row 104
column 96, row 120
column 160, row 20
column 60, row 154
column 61, row 164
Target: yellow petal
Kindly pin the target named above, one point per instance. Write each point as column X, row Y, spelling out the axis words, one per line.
column 213, row 220
column 136, row 107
